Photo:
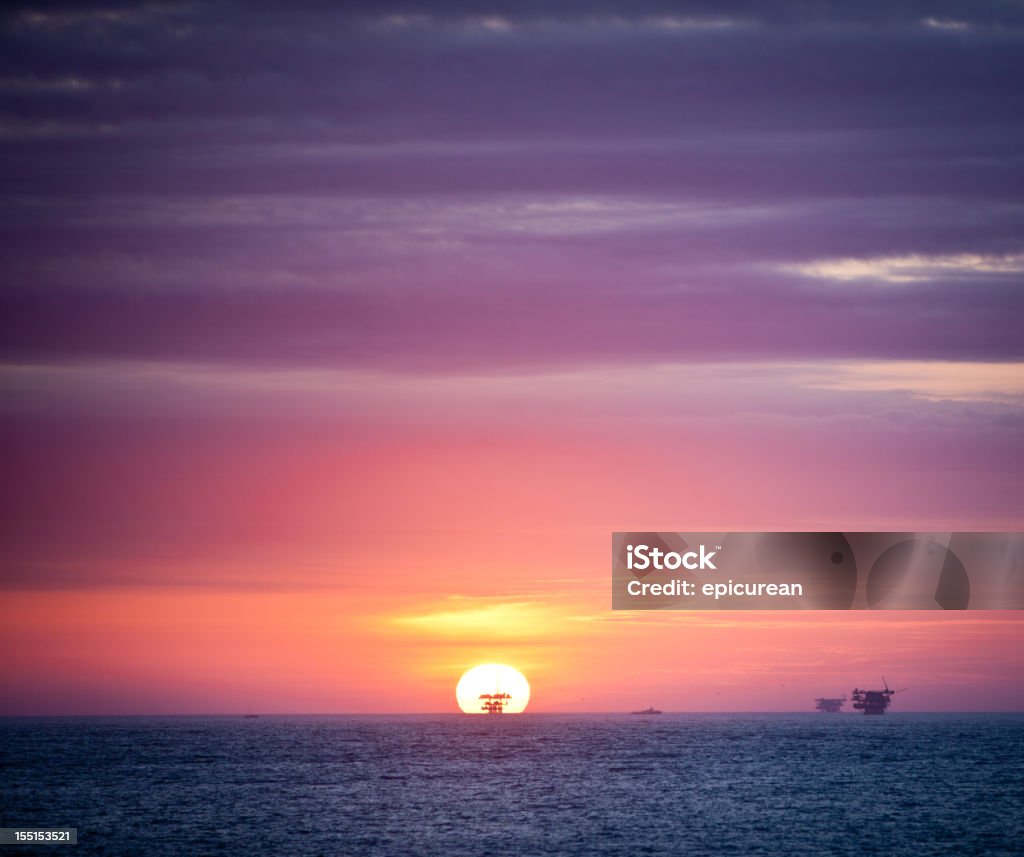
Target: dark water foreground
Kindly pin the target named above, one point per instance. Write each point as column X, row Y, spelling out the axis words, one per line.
column 529, row 784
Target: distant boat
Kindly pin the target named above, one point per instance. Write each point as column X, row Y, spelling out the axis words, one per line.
column 251, row 716
column 651, row 710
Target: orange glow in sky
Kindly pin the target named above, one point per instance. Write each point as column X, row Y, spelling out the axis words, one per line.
column 359, row 559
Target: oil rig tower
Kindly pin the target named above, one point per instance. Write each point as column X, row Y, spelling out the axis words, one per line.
column 494, row 703
column 873, row 701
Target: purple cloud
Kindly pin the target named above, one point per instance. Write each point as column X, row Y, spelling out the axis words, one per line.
column 396, row 186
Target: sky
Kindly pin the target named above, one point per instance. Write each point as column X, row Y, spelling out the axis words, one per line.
column 336, row 339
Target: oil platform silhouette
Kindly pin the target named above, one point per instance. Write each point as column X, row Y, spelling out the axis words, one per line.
column 494, row 703
column 829, row 705
column 874, row 701
column 868, row 701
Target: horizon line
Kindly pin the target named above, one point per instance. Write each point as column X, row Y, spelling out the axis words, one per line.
column 259, row 714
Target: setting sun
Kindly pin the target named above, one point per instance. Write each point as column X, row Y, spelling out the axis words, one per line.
column 487, row 682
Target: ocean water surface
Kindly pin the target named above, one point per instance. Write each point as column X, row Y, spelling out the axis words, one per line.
column 533, row 784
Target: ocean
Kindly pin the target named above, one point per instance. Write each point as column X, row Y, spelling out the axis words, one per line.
column 533, row 784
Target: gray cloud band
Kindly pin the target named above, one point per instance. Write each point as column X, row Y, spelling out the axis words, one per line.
column 817, row 571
